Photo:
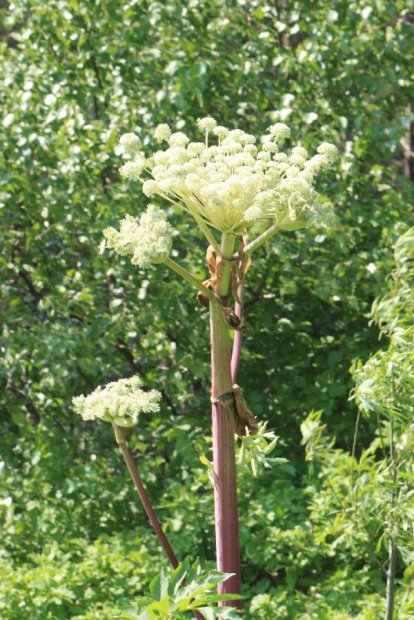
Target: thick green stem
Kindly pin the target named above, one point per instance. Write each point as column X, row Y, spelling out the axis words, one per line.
column 225, row 484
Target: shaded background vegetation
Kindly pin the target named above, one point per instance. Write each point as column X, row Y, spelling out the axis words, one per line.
column 75, row 75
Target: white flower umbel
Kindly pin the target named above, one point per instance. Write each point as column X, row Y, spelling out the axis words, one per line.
column 119, row 402
column 148, row 239
column 233, row 185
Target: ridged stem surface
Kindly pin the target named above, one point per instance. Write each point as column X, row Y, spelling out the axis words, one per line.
column 225, row 484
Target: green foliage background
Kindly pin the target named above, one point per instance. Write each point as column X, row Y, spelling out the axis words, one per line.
column 75, row 75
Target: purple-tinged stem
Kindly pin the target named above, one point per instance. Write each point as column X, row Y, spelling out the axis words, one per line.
column 225, row 483
column 238, row 337
column 143, row 496
column 146, row 502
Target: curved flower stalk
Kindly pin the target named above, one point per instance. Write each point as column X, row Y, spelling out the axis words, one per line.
column 120, row 403
column 246, row 192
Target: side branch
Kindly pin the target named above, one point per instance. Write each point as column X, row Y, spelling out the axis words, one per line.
column 261, row 239
column 133, row 470
column 191, row 279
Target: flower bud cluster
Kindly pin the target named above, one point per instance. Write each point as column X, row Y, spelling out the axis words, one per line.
column 131, row 148
column 119, row 402
column 234, row 184
column 130, row 143
column 148, row 239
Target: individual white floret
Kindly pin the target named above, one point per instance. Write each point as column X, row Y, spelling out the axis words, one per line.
column 211, row 152
column 150, row 188
column 279, row 131
column 178, row 170
column 264, row 156
column 220, row 131
column 292, row 171
column 177, row 155
column 178, row 139
column 133, row 169
column 251, row 149
column 160, row 158
column 229, row 146
column 159, row 171
column 237, row 135
column 307, row 175
column 162, row 133
column 245, row 171
column 170, row 185
column 280, row 157
column 119, row 402
column 195, row 147
column 193, row 182
column 282, row 167
column 270, row 147
column 216, row 177
column 260, row 166
column 248, row 139
column 316, row 163
column 296, row 185
column 299, row 150
column 207, row 123
column 191, row 165
column 240, row 159
column 272, row 169
column 130, row 143
column 328, row 150
column 253, row 214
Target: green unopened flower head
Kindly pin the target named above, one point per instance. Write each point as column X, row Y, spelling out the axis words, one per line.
column 233, row 184
column 119, row 402
column 147, row 239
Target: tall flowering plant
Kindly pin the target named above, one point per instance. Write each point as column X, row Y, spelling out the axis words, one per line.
column 239, row 194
